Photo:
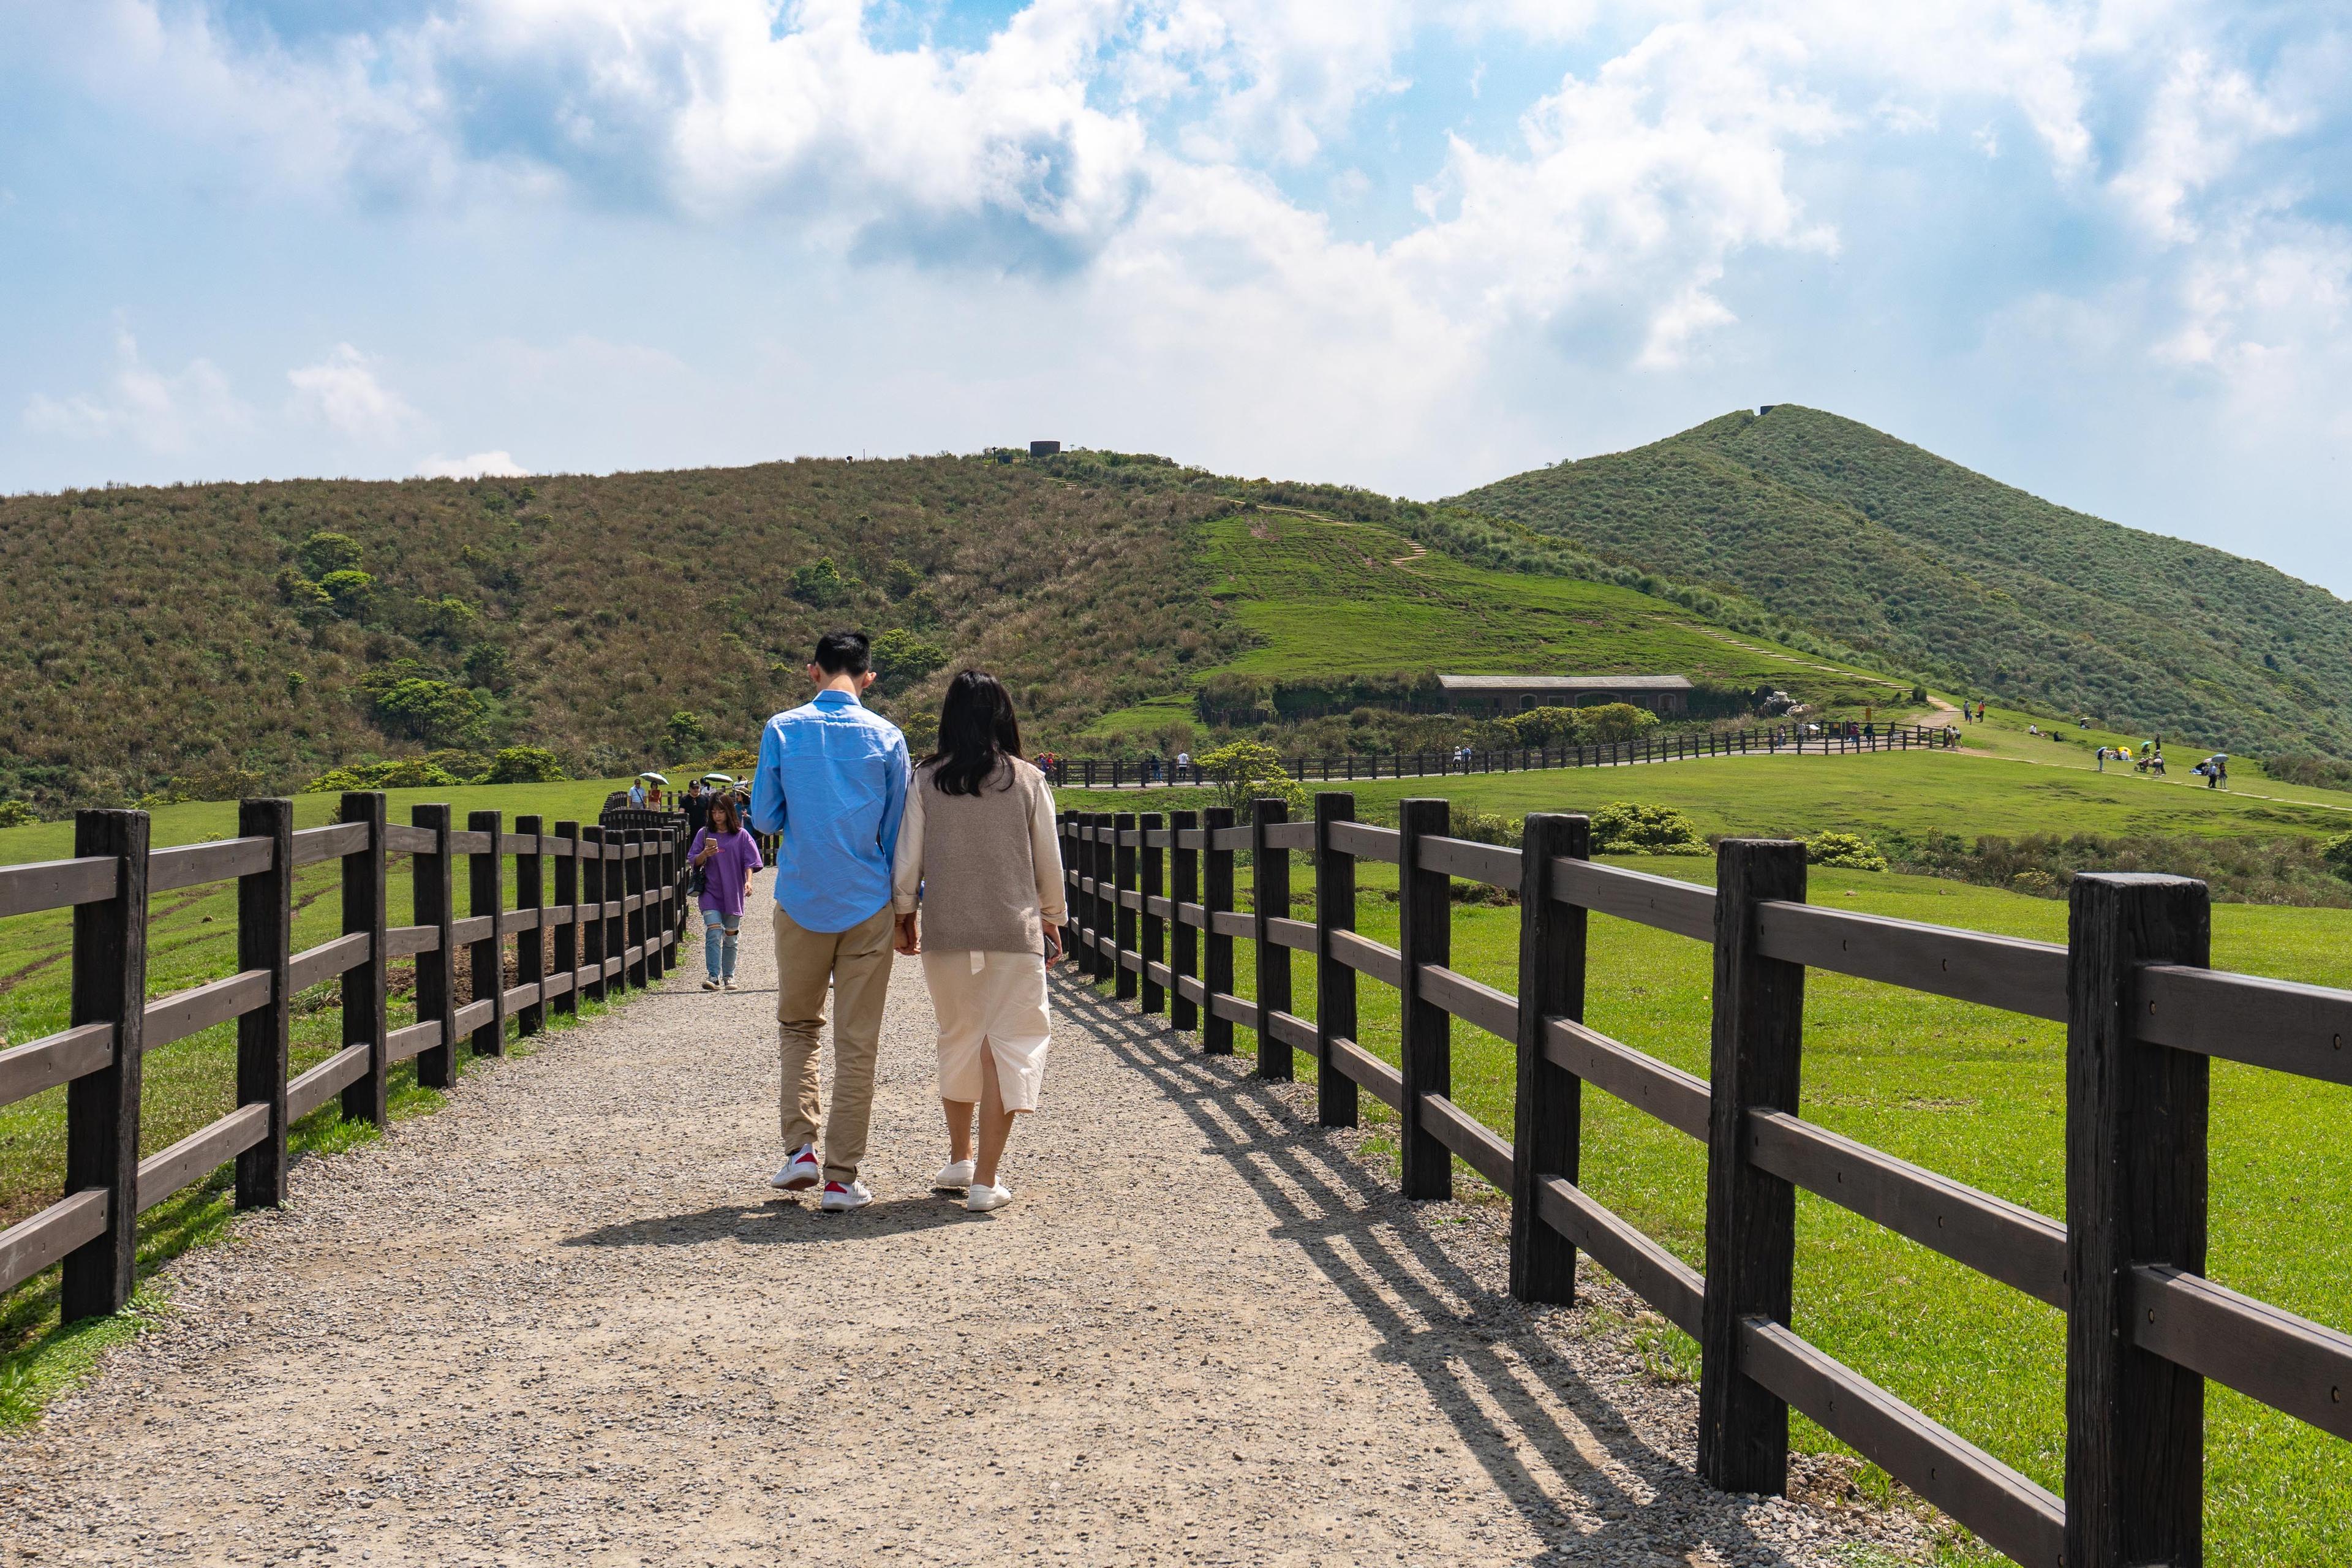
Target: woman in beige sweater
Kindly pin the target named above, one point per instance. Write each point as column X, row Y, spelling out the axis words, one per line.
column 979, row 854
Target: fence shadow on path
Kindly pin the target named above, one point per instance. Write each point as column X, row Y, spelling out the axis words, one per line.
column 1434, row 1317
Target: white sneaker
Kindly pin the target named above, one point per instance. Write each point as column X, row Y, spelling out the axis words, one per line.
column 979, row 1199
column 839, row 1197
column 729, row 983
column 800, row 1173
column 958, row 1175
column 710, row 986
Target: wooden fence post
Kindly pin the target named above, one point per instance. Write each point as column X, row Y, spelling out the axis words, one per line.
column 591, row 909
column 673, row 904
column 434, row 896
column 1217, row 898
column 1123, row 923
column 366, row 992
column 1151, row 861
column 633, row 880
column 1335, row 982
column 1270, row 900
column 2135, row 1194
column 567, row 900
column 109, row 986
column 264, row 931
column 617, row 899
column 1425, row 935
column 1547, row 1124
column 1751, row 1216
column 530, row 946
column 1082, row 826
column 1184, row 941
column 486, row 968
column 1106, row 896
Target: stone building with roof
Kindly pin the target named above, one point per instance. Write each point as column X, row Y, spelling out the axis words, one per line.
column 1499, row 696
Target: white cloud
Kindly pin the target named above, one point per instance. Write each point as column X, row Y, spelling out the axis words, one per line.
column 480, row 465
column 2203, row 120
column 343, row 390
column 161, row 413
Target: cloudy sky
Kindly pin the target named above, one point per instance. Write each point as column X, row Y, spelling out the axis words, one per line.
column 2100, row 250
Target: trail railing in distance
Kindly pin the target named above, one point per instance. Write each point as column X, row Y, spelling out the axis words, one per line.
column 91, row 1231
column 2144, row 1018
column 1149, row 772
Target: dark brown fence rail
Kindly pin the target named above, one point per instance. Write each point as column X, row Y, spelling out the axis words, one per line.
column 613, row 917
column 1145, row 773
column 2144, row 1015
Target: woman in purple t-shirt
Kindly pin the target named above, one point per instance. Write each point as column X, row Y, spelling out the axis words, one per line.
column 727, row 857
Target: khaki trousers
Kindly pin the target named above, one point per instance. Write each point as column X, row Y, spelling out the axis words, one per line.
column 857, row 963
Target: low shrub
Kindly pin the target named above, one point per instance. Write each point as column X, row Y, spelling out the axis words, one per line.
column 407, row 773
column 524, row 764
column 1844, row 851
column 1631, row 828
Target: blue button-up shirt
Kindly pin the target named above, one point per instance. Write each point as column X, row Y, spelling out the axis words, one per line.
column 832, row 781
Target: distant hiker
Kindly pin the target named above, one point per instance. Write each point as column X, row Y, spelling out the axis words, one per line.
column 1183, row 765
column 726, row 856
column 697, row 806
column 832, row 785
column 2102, row 755
column 637, row 794
column 978, row 892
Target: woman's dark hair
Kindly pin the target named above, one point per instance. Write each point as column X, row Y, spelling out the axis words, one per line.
column 977, row 733
column 720, row 803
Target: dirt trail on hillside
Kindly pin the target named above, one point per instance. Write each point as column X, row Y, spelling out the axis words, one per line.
column 565, row 1321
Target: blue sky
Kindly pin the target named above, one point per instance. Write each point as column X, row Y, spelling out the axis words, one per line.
column 2102, row 251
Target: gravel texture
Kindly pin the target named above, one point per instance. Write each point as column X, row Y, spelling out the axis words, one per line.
column 564, row 1321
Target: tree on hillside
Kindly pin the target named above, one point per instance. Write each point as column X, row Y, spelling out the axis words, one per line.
column 901, row 659
column 324, row 554
column 820, row 584
column 437, row 712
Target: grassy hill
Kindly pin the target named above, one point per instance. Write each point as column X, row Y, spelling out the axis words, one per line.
column 1894, row 552
column 213, row 640
column 187, row 635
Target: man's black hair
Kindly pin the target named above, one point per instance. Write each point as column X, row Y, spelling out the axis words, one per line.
column 842, row 653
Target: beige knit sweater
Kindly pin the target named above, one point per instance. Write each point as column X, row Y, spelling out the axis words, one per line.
column 987, row 868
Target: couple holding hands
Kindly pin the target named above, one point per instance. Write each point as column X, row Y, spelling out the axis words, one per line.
column 956, row 860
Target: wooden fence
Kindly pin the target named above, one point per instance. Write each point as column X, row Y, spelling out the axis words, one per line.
column 1122, row 772
column 613, row 917
column 1153, row 909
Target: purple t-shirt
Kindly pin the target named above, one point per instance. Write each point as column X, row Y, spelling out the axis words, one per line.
column 723, row 877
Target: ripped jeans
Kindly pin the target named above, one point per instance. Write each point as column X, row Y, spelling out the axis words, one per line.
column 718, row 933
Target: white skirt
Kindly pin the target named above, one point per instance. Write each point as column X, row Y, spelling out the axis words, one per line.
column 992, row 1006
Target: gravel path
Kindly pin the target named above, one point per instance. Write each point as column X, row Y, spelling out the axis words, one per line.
column 564, row 1321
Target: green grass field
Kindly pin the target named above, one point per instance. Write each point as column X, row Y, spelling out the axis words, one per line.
column 1914, row 792
column 1980, row 1096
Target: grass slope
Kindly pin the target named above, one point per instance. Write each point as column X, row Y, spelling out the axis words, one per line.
column 1321, row 595
column 149, row 640
column 1891, row 549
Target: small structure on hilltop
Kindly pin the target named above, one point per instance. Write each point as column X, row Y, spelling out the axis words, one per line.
column 1045, row 449
column 1515, row 693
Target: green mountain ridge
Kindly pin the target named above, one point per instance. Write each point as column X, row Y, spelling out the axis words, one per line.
column 1898, row 553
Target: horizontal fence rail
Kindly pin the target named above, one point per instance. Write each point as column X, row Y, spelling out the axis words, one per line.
column 1784, row 740
column 2144, row 1015
column 612, row 920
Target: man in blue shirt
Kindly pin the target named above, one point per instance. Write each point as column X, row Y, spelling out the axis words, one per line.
column 832, row 782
